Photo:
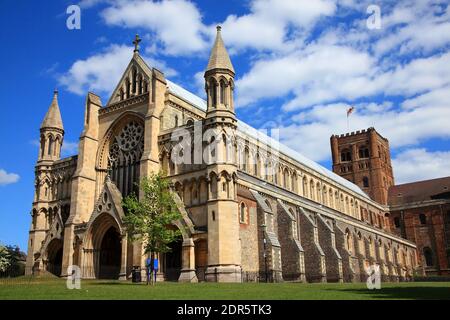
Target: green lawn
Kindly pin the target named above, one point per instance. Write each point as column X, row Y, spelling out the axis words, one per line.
column 25, row 288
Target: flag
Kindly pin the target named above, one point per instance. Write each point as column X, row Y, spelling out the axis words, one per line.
column 350, row 110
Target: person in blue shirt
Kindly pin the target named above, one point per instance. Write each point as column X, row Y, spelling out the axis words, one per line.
column 155, row 267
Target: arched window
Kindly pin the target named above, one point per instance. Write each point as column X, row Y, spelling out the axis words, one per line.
column 134, row 80
column 242, row 213
column 124, row 157
column 286, row 179
column 397, row 222
column 428, row 254
column 318, row 192
column 246, row 159
column 139, row 82
column 127, row 84
column 324, row 196
column 365, row 182
column 294, row 182
column 50, row 145
column 213, row 92
column 222, row 92
column 144, row 86
column 176, row 121
column 330, row 194
column 305, row 187
column 121, row 94
column 423, row 219
column 346, row 155
column 363, row 152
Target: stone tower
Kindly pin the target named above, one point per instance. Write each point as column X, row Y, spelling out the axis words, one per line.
column 50, row 143
column 364, row 158
column 224, row 256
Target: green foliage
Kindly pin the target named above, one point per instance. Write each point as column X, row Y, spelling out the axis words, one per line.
column 5, row 259
column 149, row 218
column 12, row 261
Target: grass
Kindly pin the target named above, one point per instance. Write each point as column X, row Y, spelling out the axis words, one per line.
column 44, row 289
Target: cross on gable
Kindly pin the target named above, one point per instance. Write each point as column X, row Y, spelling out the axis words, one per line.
column 136, row 43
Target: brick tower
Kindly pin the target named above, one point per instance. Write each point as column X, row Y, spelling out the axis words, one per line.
column 363, row 157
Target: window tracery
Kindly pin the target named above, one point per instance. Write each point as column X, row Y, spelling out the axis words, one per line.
column 124, row 157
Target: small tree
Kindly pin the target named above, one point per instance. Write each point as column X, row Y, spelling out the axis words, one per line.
column 148, row 217
column 5, row 259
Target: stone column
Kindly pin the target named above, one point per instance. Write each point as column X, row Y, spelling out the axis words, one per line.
column 188, row 262
column 123, row 266
column 68, row 249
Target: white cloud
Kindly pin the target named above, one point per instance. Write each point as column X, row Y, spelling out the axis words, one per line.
column 402, row 127
column 315, row 75
column 414, row 27
column 437, row 98
column 177, row 23
column 102, row 71
column 69, row 148
column 326, row 73
column 254, row 31
column 8, row 178
column 420, row 164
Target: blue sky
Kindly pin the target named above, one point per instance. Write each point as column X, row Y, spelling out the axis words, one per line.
column 299, row 65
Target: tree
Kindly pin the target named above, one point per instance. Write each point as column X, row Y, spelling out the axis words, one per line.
column 5, row 258
column 12, row 261
column 148, row 218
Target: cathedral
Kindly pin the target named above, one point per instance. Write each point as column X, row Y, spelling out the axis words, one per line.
column 252, row 209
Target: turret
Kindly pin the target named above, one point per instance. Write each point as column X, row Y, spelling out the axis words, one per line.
column 224, row 257
column 219, row 81
column 52, row 133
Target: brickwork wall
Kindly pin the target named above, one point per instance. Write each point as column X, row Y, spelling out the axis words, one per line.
column 249, row 232
column 434, row 234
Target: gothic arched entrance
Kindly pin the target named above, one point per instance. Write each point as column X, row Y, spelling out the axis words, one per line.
column 102, row 253
column 172, row 261
column 54, row 257
column 110, row 254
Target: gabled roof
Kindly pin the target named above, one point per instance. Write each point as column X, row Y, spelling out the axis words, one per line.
column 140, row 63
column 419, row 191
column 53, row 116
column 200, row 104
column 219, row 58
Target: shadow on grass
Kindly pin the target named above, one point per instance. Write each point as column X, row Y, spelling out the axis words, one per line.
column 414, row 293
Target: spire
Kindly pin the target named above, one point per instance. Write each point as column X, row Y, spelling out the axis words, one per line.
column 219, row 58
column 53, row 117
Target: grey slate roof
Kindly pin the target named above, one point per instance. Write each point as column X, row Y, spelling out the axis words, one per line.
column 200, row 104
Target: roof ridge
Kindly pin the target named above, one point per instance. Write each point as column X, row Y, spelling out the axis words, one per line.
column 295, row 155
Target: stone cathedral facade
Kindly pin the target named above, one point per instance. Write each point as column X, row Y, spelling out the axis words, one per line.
column 251, row 208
